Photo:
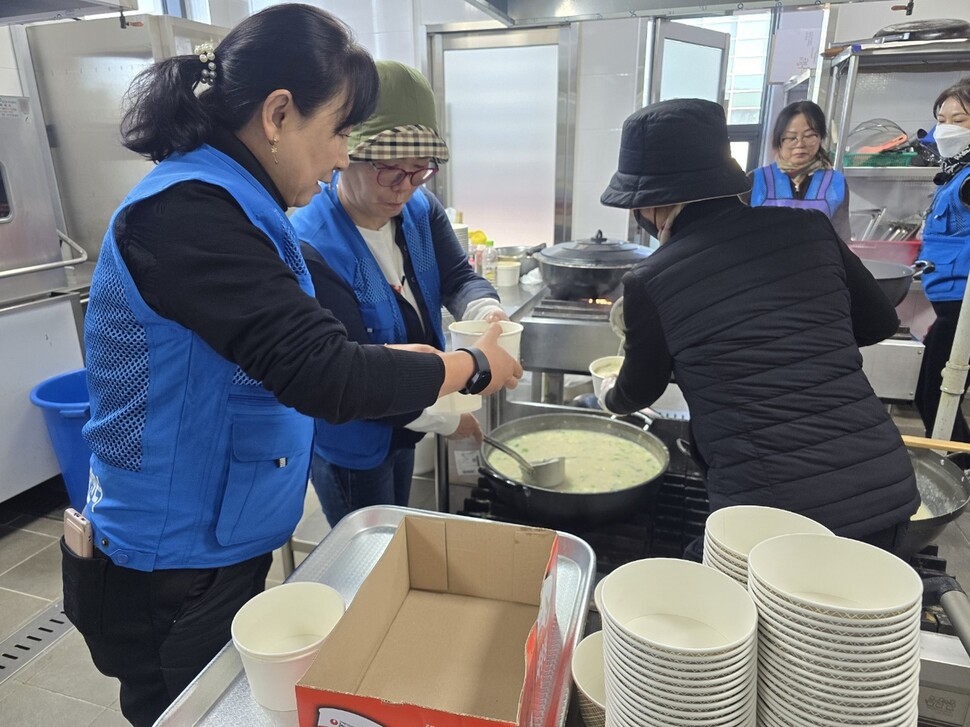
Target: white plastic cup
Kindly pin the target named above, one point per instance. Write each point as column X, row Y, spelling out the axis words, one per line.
column 278, row 633
column 508, row 273
column 467, row 333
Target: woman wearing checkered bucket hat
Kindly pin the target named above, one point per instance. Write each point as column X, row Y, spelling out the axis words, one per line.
column 384, row 259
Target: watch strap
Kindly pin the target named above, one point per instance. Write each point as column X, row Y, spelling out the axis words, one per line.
column 481, row 364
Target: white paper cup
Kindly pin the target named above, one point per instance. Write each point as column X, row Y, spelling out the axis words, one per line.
column 277, row 635
column 467, row 333
column 456, row 403
column 587, row 667
column 602, row 368
column 508, row 273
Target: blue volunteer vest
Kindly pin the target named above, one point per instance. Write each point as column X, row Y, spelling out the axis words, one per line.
column 325, row 225
column 771, row 187
column 946, row 242
column 195, row 464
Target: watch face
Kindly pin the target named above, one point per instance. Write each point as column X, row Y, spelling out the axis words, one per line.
column 479, row 382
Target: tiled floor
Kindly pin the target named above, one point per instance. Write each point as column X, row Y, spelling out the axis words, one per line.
column 61, row 686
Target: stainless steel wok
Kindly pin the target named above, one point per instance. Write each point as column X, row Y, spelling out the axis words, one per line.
column 945, row 491
column 564, row 510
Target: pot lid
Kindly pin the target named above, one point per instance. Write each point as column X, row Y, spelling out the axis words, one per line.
column 596, row 250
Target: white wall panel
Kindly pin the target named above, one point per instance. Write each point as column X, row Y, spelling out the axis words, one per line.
column 9, row 78
column 396, row 46
column 606, row 95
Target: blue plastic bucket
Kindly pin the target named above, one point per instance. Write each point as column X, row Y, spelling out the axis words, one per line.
column 66, row 406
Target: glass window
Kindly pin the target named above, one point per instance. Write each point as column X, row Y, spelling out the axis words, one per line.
column 752, row 82
column 746, row 99
column 747, row 62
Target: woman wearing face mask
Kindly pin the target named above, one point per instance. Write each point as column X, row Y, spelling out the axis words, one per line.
column 946, row 241
column 802, row 175
column 759, row 313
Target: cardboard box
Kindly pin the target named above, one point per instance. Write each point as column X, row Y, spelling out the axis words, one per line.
column 450, row 629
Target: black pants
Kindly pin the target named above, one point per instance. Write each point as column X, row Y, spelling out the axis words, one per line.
column 938, row 342
column 155, row 631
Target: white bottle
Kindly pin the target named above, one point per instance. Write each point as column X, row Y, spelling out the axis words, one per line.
column 490, row 262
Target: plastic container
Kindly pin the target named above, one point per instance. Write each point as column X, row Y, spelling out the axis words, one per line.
column 490, row 262
column 903, row 252
column 881, row 159
column 66, row 406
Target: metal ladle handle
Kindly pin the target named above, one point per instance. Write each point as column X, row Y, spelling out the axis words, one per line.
column 523, row 462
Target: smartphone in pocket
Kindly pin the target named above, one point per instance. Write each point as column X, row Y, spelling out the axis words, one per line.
column 77, row 534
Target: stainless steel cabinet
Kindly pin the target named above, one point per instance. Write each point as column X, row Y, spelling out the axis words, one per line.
column 82, row 71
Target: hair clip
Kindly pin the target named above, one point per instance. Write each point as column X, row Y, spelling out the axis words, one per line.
column 207, row 56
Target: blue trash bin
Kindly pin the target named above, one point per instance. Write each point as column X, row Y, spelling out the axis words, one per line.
column 66, row 406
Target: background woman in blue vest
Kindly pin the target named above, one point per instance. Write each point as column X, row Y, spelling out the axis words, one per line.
column 384, row 259
column 802, row 175
column 946, row 242
column 759, row 314
column 208, row 356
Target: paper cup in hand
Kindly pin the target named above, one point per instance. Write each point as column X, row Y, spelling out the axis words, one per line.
column 278, row 634
column 602, row 369
column 467, row 333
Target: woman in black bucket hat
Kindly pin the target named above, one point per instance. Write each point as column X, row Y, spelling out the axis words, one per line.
column 759, row 315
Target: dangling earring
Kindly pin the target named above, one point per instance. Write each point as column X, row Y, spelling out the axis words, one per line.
column 273, row 149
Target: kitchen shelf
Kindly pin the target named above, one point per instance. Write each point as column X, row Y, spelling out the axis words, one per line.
column 895, row 174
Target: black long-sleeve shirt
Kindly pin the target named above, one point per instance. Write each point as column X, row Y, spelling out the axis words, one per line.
column 198, row 260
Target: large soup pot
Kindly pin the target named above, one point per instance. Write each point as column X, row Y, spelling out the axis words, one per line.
column 588, row 268
column 574, row 510
column 945, row 492
column 895, row 278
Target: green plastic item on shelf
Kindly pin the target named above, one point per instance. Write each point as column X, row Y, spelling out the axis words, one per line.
column 881, row 159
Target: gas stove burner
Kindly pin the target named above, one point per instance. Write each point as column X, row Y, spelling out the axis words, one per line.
column 577, row 310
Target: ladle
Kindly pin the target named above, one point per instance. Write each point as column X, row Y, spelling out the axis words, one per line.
column 548, row 473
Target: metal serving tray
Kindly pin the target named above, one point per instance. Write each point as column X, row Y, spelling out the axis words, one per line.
column 220, row 695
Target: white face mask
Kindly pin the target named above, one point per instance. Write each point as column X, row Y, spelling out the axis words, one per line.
column 951, row 139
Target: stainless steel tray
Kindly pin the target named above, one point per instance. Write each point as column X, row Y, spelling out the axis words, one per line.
column 220, row 694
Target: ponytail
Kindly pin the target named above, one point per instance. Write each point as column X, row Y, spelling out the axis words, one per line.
column 162, row 113
column 289, row 46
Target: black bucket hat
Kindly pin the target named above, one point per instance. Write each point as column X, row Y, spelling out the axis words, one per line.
column 674, row 152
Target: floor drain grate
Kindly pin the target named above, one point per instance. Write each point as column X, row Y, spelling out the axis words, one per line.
column 19, row 649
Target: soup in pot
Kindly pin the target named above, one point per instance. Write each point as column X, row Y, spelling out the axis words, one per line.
column 595, row 462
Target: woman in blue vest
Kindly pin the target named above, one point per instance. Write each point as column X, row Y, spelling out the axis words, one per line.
column 384, row 259
column 946, row 242
column 208, row 356
column 802, row 174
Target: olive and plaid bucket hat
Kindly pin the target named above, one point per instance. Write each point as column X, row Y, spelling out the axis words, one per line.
column 404, row 125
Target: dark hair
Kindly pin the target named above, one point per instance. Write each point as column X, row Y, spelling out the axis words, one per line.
column 959, row 90
column 295, row 47
column 812, row 113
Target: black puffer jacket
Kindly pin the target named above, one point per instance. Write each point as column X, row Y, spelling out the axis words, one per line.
column 759, row 313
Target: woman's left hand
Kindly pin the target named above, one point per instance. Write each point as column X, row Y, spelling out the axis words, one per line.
column 468, row 427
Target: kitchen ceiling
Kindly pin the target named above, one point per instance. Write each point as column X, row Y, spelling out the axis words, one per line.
column 543, row 12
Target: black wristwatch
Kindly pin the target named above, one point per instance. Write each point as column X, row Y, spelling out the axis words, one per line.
column 482, row 377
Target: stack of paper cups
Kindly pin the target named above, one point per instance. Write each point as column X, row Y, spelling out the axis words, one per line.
column 461, row 232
